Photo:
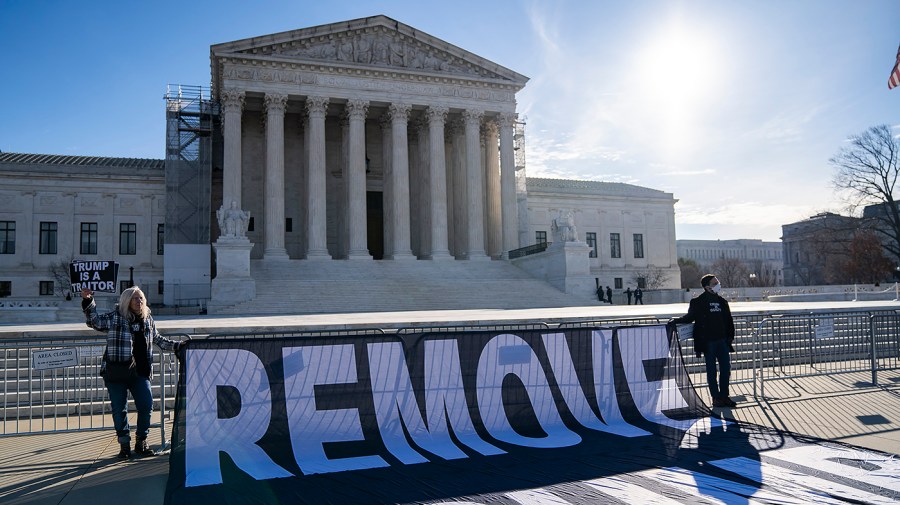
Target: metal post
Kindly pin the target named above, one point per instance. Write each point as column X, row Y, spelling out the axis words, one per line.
column 873, row 347
column 162, row 401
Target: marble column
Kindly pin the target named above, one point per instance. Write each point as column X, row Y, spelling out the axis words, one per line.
column 316, row 244
column 400, row 182
column 343, row 209
column 492, row 191
column 388, row 190
column 274, row 203
column 232, row 106
column 420, row 190
column 509, row 210
column 474, row 189
column 438, row 183
column 356, row 180
column 460, row 209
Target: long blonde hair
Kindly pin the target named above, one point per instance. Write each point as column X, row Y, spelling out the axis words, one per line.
column 125, row 304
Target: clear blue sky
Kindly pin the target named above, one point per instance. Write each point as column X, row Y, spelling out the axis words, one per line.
column 734, row 107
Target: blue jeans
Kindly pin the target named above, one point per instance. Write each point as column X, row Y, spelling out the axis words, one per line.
column 717, row 350
column 143, row 400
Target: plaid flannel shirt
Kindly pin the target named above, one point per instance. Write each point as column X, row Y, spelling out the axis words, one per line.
column 119, row 335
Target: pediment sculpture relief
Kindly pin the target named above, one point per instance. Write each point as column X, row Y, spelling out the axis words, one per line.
column 380, row 49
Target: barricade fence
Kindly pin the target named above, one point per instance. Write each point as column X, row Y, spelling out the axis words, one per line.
column 43, row 392
column 53, row 384
column 794, row 346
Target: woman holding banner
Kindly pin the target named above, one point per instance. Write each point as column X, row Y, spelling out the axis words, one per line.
column 130, row 333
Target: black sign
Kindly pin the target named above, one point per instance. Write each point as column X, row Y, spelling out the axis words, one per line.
column 97, row 276
column 576, row 416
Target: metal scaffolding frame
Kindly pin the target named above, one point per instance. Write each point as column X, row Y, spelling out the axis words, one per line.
column 191, row 117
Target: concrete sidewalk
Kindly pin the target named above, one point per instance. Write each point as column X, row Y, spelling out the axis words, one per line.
column 81, row 468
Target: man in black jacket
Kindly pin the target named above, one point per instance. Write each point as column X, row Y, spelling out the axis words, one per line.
column 713, row 336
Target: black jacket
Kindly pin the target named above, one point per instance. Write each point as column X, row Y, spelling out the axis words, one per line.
column 712, row 320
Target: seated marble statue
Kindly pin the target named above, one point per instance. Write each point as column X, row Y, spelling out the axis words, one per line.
column 233, row 222
column 563, row 227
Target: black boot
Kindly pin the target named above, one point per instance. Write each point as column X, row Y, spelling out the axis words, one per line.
column 124, row 451
column 142, row 449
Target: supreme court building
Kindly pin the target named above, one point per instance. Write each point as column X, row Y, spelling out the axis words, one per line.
column 350, row 144
column 335, row 126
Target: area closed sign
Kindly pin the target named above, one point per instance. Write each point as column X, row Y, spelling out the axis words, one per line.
column 54, row 358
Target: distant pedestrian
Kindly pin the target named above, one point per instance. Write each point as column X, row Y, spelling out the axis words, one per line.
column 609, row 295
column 628, row 295
column 600, row 294
column 638, row 296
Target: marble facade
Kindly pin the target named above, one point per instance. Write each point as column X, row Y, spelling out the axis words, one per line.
column 366, row 139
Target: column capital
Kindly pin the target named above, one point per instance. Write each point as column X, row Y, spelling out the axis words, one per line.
column 472, row 117
column 490, row 127
column 399, row 112
column 316, row 106
column 232, row 100
column 275, row 103
column 454, row 127
column 357, row 109
column 419, row 125
column 507, row 119
column 384, row 121
column 436, row 113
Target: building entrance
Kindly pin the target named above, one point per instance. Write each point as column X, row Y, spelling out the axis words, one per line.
column 375, row 223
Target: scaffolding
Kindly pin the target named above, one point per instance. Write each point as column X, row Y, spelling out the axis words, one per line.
column 521, row 183
column 190, row 119
column 191, row 125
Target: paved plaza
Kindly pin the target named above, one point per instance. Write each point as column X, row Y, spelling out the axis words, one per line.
column 81, row 467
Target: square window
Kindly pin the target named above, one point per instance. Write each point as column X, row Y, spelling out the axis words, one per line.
column 617, row 282
column 540, row 237
column 5, row 288
column 7, row 237
column 88, row 238
column 46, row 288
column 48, row 238
column 127, row 239
column 638, row 245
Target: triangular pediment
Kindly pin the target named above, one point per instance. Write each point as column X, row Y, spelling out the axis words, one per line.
column 374, row 42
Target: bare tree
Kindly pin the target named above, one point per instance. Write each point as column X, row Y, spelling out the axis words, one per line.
column 866, row 262
column 690, row 273
column 62, row 282
column 731, row 272
column 763, row 274
column 868, row 169
column 654, row 277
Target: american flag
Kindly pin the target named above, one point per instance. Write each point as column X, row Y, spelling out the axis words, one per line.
column 894, row 80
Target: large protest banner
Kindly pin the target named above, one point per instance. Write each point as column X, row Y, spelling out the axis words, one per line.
column 97, row 276
column 579, row 416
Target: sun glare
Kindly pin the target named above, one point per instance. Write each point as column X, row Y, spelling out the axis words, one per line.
column 678, row 73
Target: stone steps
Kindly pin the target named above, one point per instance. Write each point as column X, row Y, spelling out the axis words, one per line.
column 376, row 286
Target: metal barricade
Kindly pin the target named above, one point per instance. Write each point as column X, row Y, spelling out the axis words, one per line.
column 742, row 363
column 476, row 327
column 53, row 384
column 293, row 333
column 824, row 344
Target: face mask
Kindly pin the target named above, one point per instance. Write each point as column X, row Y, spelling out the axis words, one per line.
column 717, row 288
